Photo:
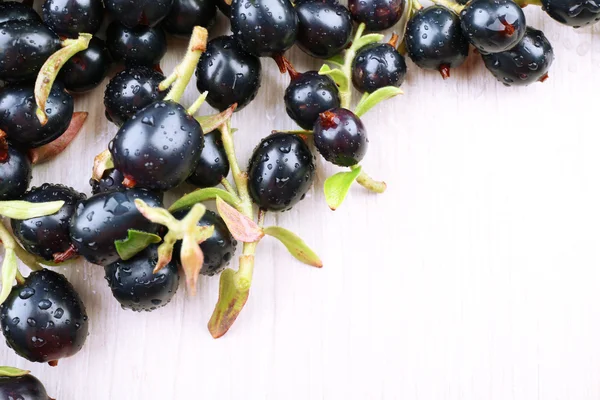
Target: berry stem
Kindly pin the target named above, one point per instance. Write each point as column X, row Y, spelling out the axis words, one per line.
column 239, row 177
column 370, row 184
column 20, row 278
column 227, row 185
column 525, row 3
column 346, row 95
column 197, row 104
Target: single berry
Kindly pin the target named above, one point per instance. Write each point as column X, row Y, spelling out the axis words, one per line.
column 135, row 285
column 493, row 26
column 341, row 137
column 26, row 387
column 106, row 217
column 87, row 69
column 111, row 180
column 324, row 28
column 376, row 66
column 228, row 73
column 281, row 171
column 186, row 14
column 575, row 13
column 225, row 7
column 213, row 165
column 15, row 11
column 132, row 13
column 131, row 90
column 527, row 62
column 15, row 173
column 44, row 319
column 435, row 40
column 141, row 45
column 377, row 15
column 72, row 17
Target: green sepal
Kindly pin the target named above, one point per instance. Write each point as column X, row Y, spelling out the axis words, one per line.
column 337, row 187
column 367, row 39
column 295, row 245
column 232, row 298
column 240, row 226
column 337, row 60
column 136, row 241
column 211, row 122
column 337, row 75
column 12, row 372
column 18, row 209
column 370, row 100
column 201, row 195
column 9, row 273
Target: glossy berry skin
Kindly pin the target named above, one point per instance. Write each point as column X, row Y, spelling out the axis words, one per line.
column 224, row 7
column 87, row 69
column 575, row 13
column 218, row 249
column 141, row 45
column 24, row 47
column 111, row 180
column 308, row 95
column 18, row 119
column 434, row 40
column 15, row 11
column 377, row 15
column 324, row 28
column 132, row 13
column 72, row 17
column 26, row 387
column 186, row 14
column 48, row 235
column 131, row 90
column 106, row 217
column 159, row 147
column 341, row 137
column 228, row 73
column 15, row 174
column 264, row 28
column 377, row 65
column 281, row 171
column 213, row 165
column 136, row 287
column 527, row 62
column 44, row 319
column 493, row 26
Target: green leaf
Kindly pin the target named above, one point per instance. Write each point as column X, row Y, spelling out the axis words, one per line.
column 367, row 39
column 9, row 273
column 337, row 186
column 201, row 195
column 337, row 60
column 136, row 241
column 369, row 101
column 24, row 210
column 295, row 245
column 102, row 163
column 337, row 75
column 12, row 372
column 232, row 299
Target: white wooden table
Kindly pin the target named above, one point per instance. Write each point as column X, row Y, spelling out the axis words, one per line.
column 475, row 276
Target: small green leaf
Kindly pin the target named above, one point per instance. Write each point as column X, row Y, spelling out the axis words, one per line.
column 337, row 75
column 367, row 39
column 369, row 101
column 18, row 209
column 12, row 372
column 337, row 60
column 9, row 273
column 295, row 245
column 337, row 186
column 136, row 241
column 232, row 299
column 211, row 122
column 201, row 195
column 102, row 162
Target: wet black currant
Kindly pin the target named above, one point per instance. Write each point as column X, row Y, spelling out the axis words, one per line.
column 324, row 28
column 136, row 287
column 15, row 11
column 44, row 319
column 435, row 40
column 377, row 15
column 26, row 387
column 106, row 217
column 377, row 65
column 264, row 28
column 281, row 171
column 86, row 69
column 131, row 90
column 493, row 26
column 159, row 147
column 111, row 180
column 213, row 165
column 341, row 137
column 186, row 14
column 527, row 62
column 575, row 13
column 228, row 73
column 15, row 173
column 72, row 17
column 132, row 13
column 141, row 45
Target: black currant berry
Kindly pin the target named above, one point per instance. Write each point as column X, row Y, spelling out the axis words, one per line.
column 225, row 7
column 26, row 387
column 132, row 13
column 324, row 28
column 493, row 26
column 24, row 48
column 218, row 249
column 131, row 90
column 281, row 171
column 44, row 319
column 111, row 180
column 135, row 285
column 341, row 137
column 86, row 69
column 72, row 17
column 19, row 121
column 15, row 11
column 575, row 13
column 159, row 147
column 141, row 45
column 264, row 28
column 377, row 65
column 213, row 165
column 435, row 40
column 527, row 62
column 106, row 217
column 15, row 173
column 228, row 73
column 186, row 14
column 377, row 15
column 308, row 95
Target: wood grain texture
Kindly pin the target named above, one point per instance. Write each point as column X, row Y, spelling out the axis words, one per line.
column 474, row 277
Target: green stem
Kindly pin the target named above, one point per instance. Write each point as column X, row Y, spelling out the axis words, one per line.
column 197, row 104
column 227, row 185
column 239, row 177
column 20, row 278
column 457, row 8
column 243, row 276
column 524, row 3
column 370, row 184
column 346, row 95
column 10, row 243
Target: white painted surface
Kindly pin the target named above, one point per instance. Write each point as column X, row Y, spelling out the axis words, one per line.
column 474, row 277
